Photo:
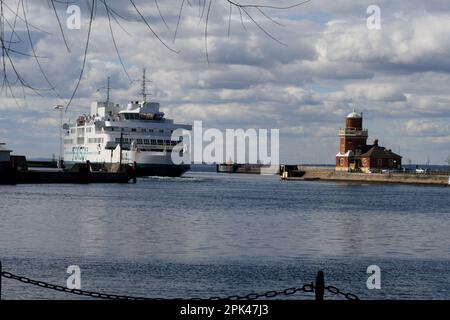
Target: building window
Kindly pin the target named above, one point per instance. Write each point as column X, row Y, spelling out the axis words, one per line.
column 341, row 162
column 380, row 163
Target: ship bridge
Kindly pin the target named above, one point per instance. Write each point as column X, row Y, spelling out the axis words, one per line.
column 142, row 111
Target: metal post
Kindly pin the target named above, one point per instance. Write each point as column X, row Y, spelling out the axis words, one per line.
column 1, row 280
column 320, row 286
column 120, row 159
column 61, row 146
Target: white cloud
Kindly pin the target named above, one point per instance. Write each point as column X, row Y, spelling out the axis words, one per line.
column 398, row 76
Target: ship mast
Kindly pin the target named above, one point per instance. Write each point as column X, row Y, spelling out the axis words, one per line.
column 144, row 94
column 108, row 88
column 144, row 85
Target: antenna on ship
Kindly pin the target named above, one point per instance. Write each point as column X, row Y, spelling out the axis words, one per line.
column 108, row 89
column 144, row 85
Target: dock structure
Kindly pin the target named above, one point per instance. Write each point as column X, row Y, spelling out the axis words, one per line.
column 358, row 161
column 310, row 173
column 17, row 171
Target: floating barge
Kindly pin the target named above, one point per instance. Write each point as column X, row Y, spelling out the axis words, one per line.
column 303, row 173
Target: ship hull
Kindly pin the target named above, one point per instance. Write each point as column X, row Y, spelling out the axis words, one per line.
column 146, row 169
column 165, row 170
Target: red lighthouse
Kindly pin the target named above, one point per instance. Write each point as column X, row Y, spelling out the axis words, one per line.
column 352, row 141
column 356, row 155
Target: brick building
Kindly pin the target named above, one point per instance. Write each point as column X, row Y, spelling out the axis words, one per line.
column 356, row 155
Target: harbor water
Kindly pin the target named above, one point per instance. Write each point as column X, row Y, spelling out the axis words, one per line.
column 210, row 234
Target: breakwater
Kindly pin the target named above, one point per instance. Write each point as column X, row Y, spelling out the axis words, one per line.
column 329, row 174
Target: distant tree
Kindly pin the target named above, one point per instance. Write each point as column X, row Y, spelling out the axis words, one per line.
column 447, row 160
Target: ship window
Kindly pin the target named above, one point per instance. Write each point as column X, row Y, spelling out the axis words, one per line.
column 153, row 141
column 95, row 140
column 174, row 143
column 139, row 141
column 133, row 130
column 143, row 130
column 146, row 141
column 150, row 130
column 167, row 142
column 161, row 130
column 161, row 142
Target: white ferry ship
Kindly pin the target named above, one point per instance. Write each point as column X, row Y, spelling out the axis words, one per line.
column 138, row 134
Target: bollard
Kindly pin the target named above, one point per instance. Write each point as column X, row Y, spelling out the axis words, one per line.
column 134, row 171
column 320, row 286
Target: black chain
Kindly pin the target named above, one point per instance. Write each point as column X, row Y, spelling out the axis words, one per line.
column 250, row 296
column 67, row 290
column 337, row 291
column 272, row 294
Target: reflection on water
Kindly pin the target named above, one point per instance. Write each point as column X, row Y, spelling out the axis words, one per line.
column 226, row 221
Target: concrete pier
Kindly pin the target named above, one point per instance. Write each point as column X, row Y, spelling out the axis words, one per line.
column 301, row 173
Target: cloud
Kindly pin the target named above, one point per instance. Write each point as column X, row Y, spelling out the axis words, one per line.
column 398, row 76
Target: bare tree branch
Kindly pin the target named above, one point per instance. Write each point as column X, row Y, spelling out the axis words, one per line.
column 13, row 45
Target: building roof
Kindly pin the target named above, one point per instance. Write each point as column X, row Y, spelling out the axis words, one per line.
column 380, row 152
column 3, row 149
column 354, row 115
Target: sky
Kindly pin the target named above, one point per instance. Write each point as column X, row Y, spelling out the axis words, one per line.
column 300, row 70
